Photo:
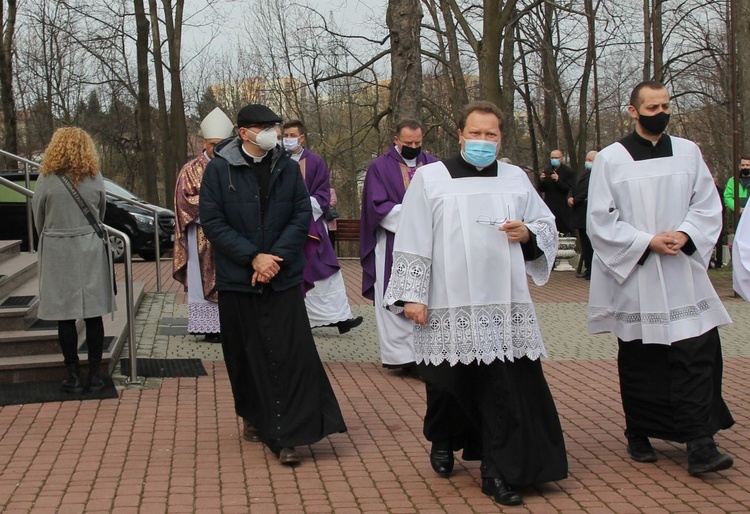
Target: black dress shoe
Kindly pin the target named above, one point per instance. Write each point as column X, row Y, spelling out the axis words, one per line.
column 441, row 459
column 288, row 456
column 500, row 491
column 640, row 449
column 346, row 325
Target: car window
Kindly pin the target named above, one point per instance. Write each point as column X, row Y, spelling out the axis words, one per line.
column 118, row 190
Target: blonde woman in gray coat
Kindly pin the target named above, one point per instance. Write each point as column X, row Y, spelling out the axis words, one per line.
column 75, row 274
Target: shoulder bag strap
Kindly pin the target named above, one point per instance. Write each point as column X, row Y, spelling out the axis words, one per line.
column 81, row 203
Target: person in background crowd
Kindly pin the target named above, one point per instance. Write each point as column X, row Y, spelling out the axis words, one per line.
column 743, row 186
column 387, row 180
column 255, row 210
column 475, row 229
column 717, row 260
column 193, row 258
column 326, row 302
column 75, row 271
column 578, row 201
column 653, row 219
column 554, row 184
column 332, row 220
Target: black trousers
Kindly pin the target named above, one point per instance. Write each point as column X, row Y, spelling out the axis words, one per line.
column 673, row 392
column 587, row 251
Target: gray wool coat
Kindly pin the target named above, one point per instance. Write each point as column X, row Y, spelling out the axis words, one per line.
column 75, row 274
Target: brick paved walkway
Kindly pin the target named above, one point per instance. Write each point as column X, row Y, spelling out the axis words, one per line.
column 174, row 446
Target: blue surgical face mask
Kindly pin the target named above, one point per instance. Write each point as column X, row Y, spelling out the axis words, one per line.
column 589, row 165
column 554, row 162
column 479, row 152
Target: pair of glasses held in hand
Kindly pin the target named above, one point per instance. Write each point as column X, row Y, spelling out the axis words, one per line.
column 498, row 222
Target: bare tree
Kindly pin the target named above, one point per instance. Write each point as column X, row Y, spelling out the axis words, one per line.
column 403, row 18
column 8, row 12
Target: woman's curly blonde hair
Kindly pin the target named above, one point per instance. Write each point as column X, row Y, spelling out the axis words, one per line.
column 71, row 152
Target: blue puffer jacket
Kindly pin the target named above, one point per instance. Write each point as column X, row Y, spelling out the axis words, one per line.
column 229, row 210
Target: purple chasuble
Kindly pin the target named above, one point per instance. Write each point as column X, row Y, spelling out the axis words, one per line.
column 319, row 252
column 384, row 189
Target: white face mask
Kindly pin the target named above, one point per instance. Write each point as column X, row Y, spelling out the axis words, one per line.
column 266, row 139
column 291, row 143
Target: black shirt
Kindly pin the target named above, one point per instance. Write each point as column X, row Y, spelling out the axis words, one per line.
column 262, row 172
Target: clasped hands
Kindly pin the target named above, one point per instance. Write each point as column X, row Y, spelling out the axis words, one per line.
column 265, row 267
column 668, row 243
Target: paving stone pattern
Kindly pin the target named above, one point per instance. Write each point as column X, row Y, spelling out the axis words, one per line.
column 173, row 445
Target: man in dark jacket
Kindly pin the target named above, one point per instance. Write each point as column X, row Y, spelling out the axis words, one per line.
column 578, row 201
column 554, row 184
column 255, row 210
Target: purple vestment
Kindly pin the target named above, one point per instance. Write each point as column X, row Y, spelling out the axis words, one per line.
column 384, row 189
column 321, row 257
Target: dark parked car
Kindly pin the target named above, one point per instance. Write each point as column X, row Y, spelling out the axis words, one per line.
column 135, row 221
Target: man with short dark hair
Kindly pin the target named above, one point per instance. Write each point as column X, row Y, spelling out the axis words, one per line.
column 476, row 228
column 653, row 219
column 386, row 182
column 554, row 184
column 326, row 302
column 255, row 210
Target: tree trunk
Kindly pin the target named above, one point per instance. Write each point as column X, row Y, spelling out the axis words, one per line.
column 549, row 128
column 403, row 19
column 742, row 37
column 508, row 92
column 658, row 41
column 146, row 147
column 646, row 40
column 173, row 20
column 10, row 143
column 167, row 149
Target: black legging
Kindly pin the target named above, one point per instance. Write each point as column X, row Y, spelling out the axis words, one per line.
column 68, row 336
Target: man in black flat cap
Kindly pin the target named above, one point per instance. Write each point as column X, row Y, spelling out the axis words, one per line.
column 255, row 210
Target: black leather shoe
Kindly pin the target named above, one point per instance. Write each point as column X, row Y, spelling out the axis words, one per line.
column 501, row 492
column 640, row 449
column 346, row 325
column 249, row 432
column 441, row 459
column 288, row 456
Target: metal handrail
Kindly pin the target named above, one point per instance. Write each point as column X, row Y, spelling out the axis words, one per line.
column 157, row 237
column 128, row 277
column 27, row 180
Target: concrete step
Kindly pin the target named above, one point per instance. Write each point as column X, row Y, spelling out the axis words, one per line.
column 49, row 365
column 15, row 271
column 21, row 316
column 9, row 248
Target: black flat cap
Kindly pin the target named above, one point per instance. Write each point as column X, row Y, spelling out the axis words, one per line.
column 256, row 114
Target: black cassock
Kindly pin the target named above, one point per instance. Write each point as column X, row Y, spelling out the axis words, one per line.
column 501, row 413
column 278, row 381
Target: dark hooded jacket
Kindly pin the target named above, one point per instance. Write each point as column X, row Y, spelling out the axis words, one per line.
column 232, row 218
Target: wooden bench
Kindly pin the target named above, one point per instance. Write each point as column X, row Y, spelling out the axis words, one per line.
column 347, row 231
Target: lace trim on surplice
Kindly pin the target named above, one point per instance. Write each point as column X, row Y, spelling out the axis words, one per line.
column 203, row 318
column 546, row 239
column 481, row 333
column 410, row 279
column 656, row 318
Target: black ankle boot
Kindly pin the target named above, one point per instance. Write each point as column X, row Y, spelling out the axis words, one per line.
column 73, row 383
column 96, row 383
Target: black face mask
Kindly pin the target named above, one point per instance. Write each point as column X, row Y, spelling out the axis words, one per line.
column 409, row 153
column 744, row 172
column 655, row 124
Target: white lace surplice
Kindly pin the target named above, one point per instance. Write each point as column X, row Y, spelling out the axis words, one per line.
column 472, row 279
column 667, row 298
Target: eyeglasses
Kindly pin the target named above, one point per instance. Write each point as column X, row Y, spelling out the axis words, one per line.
column 487, row 220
